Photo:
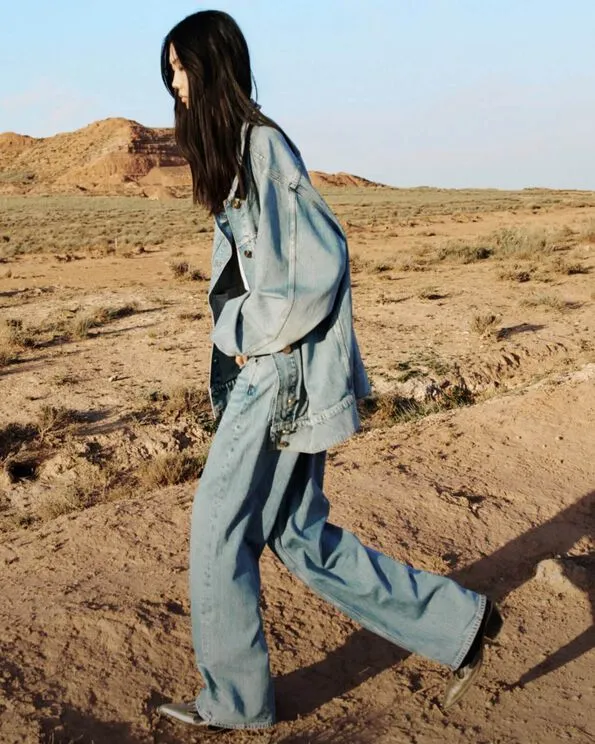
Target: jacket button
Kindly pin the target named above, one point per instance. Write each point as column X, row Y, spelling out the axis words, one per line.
column 248, row 254
column 283, row 444
column 236, row 203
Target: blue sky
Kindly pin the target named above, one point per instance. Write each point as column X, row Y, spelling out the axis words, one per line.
column 449, row 93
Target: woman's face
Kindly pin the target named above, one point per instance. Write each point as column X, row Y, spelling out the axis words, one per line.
column 180, row 80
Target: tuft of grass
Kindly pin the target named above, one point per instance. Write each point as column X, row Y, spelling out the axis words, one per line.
column 386, row 300
column 417, row 265
column 7, row 355
column 464, row 253
column 183, row 270
column 94, row 483
column 563, row 267
column 430, row 293
column 587, row 234
column 484, row 324
column 179, row 402
column 198, row 275
column 356, row 263
column 81, row 326
column 551, row 302
column 516, row 274
column 16, row 333
column 523, row 244
column 170, row 469
column 180, row 269
column 409, row 374
column 59, row 502
column 392, row 408
column 379, row 267
column 191, row 402
column 506, row 243
column 14, row 338
column 57, row 420
column 190, row 316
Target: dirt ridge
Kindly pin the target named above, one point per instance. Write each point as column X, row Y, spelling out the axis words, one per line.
column 114, row 156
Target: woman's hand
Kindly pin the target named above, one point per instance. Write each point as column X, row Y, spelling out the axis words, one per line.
column 241, row 360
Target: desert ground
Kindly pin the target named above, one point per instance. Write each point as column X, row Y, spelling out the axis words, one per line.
column 475, row 311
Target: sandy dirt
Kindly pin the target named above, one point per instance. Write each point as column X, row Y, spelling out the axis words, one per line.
column 499, row 492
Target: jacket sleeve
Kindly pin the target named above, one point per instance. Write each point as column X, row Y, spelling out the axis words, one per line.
column 300, row 255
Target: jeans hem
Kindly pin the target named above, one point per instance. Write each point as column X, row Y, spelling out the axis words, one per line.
column 475, row 627
column 223, row 725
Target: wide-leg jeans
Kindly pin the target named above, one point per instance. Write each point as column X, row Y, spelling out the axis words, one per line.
column 251, row 496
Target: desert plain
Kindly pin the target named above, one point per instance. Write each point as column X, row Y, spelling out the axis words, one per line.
column 475, row 312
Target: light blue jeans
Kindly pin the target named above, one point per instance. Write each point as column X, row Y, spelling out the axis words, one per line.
column 251, row 496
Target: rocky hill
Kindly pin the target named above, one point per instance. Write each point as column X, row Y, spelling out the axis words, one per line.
column 113, row 156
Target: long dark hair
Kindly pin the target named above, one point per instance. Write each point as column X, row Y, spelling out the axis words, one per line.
column 214, row 53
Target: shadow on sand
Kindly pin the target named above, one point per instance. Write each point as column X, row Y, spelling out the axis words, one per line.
column 365, row 655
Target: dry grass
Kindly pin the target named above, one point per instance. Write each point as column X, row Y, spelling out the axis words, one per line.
column 123, row 225
column 431, row 293
column 80, row 327
column 183, row 270
column 562, row 266
column 587, row 234
column 93, row 485
column 379, row 267
column 179, row 402
column 418, row 265
column 198, row 275
column 101, row 226
column 392, row 408
column 517, row 273
column 464, row 253
column 509, row 242
column 549, row 301
column 14, row 339
column 190, row 316
column 170, row 469
column 188, row 401
column 485, row 324
column 180, row 269
column 57, row 420
column 356, row 263
column 521, row 244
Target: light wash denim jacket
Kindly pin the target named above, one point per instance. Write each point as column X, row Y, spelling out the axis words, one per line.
column 290, row 288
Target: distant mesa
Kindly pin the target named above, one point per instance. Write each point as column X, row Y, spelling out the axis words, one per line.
column 113, row 156
column 342, row 180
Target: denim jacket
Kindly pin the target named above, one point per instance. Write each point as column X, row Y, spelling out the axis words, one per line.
column 280, row 286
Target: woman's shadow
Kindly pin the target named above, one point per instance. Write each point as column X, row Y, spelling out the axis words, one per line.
column 365, row 655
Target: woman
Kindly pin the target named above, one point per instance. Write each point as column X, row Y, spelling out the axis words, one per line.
column 285, row 376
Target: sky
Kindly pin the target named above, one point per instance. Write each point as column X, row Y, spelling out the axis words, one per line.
column 447, row 93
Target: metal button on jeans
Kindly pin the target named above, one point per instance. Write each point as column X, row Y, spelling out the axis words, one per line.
column 236, row 203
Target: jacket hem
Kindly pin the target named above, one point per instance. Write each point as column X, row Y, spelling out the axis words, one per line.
column 324, row 431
